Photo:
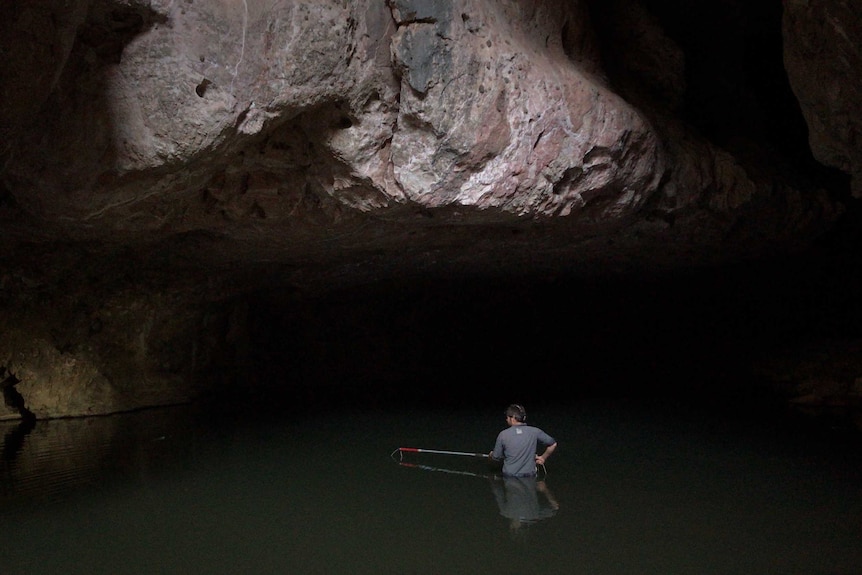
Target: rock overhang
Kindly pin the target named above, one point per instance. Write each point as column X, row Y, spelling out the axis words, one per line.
column 241, row 146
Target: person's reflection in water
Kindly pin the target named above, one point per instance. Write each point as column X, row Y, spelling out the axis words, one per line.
column 523, row 501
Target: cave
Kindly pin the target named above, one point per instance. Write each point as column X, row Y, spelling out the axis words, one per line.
column 249, row 247
column 635, row 199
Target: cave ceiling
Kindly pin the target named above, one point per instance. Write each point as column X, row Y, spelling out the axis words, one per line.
column 315, row 145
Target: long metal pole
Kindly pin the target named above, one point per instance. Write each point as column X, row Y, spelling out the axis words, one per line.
column 441, row 452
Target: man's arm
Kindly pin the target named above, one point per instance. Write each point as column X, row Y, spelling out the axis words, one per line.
column 498, row 449
column 540, row 459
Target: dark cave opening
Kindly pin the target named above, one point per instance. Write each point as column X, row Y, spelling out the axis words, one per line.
column 691, row 336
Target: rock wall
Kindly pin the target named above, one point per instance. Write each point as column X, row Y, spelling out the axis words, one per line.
column 90, row 347
column 162, row 160
column 457, row 104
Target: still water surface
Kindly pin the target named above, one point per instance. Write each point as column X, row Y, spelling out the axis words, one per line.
column 632, row 489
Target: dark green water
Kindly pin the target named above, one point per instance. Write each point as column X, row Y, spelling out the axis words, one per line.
column 638, row 490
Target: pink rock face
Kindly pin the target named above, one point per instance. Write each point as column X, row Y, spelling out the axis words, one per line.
column 503, row 120
column 171, row 117
column 473, row 105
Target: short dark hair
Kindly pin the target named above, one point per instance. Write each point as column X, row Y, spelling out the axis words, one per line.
column 517, row 411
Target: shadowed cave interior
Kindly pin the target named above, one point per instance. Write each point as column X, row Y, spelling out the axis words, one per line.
column 696, row 333
column 698, row 337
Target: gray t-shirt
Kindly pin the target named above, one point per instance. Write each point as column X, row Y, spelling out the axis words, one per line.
column 516, row 446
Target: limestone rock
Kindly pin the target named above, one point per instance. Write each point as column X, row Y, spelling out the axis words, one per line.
column 162, row 160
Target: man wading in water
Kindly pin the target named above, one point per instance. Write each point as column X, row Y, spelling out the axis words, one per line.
column 516, row 446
